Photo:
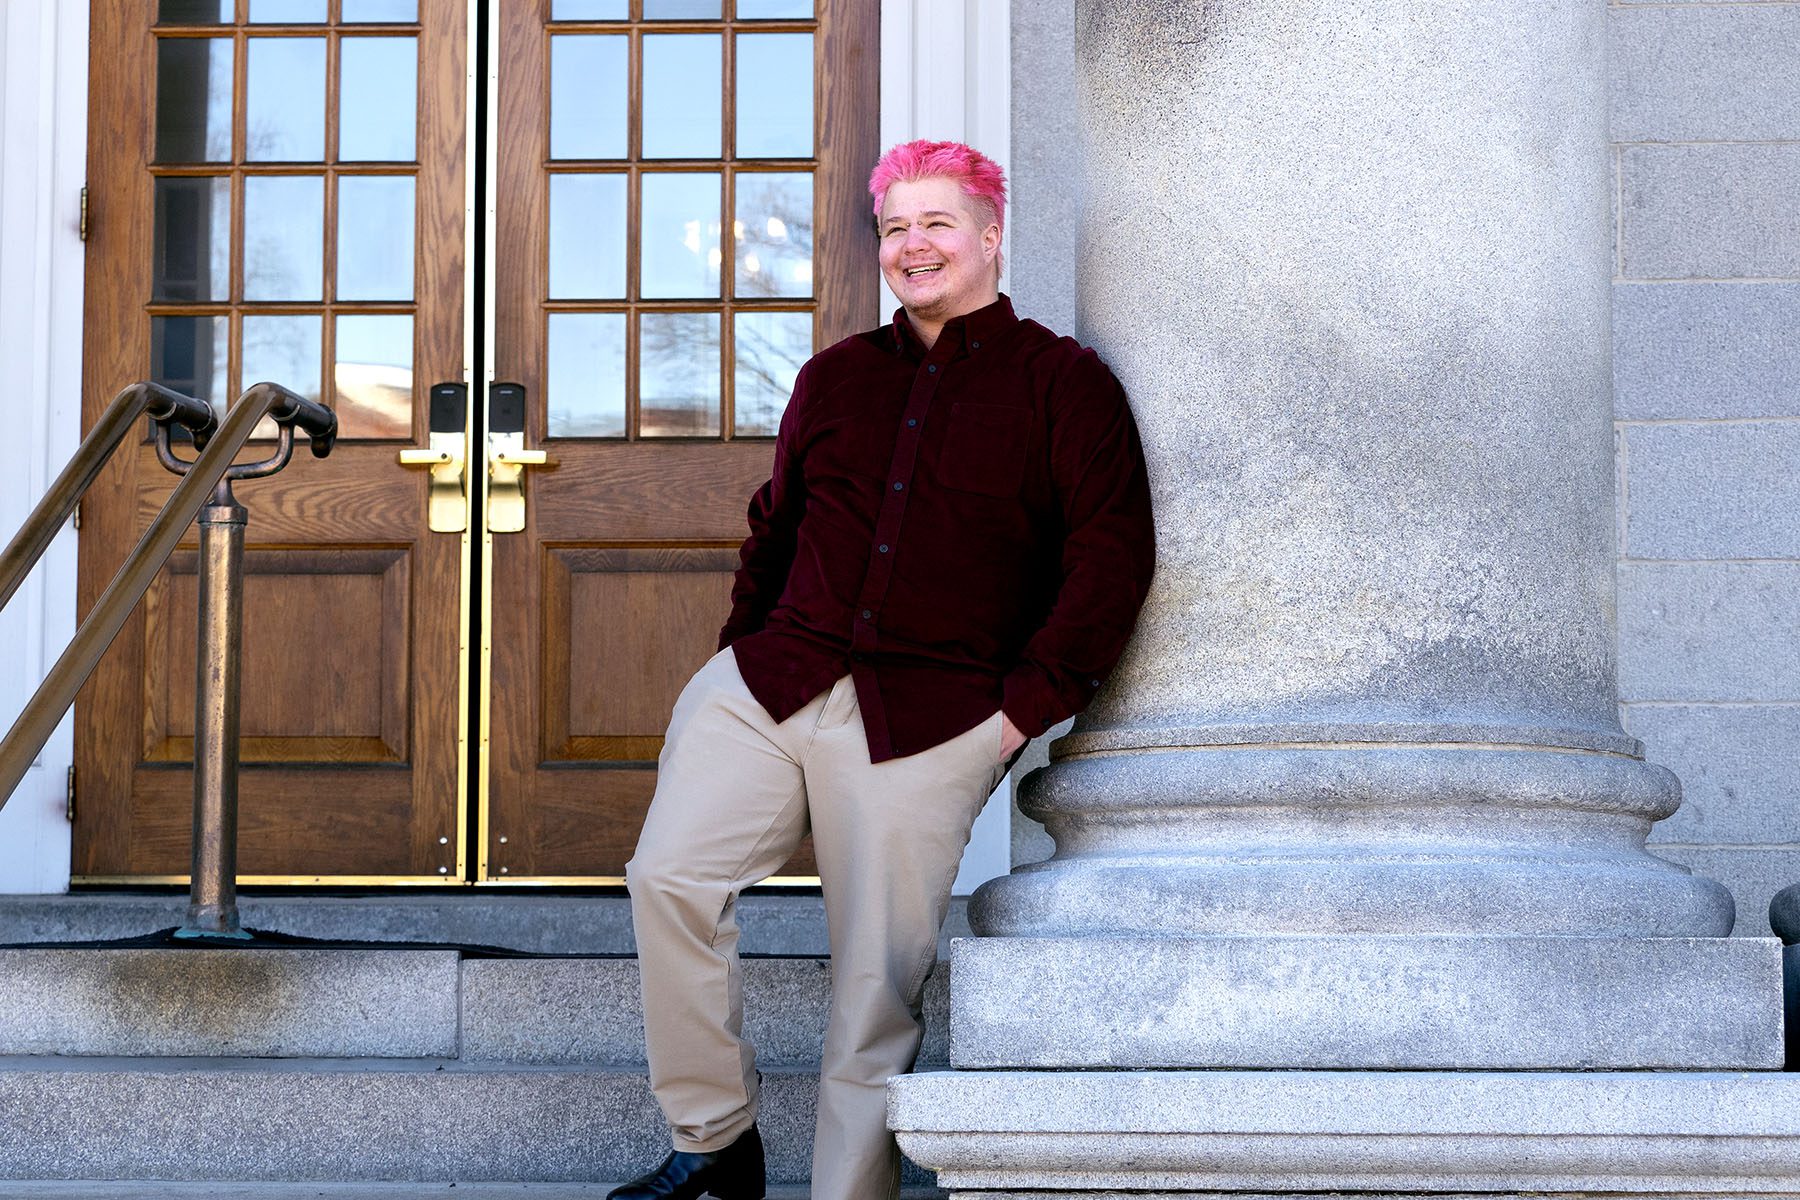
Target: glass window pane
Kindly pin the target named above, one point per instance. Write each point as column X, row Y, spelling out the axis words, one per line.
column 768, row 10
column 191, row 244
column 196, row 12
column 585, row 370
column 360, row 12
column 768, row 350
column 375, row 237
column 678, row 374
column 284, row 350
column 288, row 12
column 589, row 10
column 284, row 237
column 679, row 250
column 284, row 100
column 193, row 100
column 190, row 354
column 775, row 95
column 681, row 10
column 378, row 99
column 373, row 375
column 682, row 95
column 773, row 234
column 588, row 77
column 587, row 237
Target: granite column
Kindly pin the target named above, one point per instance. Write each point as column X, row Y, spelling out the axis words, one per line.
column 1357, row 800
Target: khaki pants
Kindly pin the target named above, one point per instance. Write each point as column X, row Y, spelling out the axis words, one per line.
column 735, row 794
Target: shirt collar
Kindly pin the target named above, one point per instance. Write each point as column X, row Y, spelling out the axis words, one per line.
column 970, row 331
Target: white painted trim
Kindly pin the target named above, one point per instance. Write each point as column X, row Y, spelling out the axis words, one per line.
column 946, row 74
column 43, row 157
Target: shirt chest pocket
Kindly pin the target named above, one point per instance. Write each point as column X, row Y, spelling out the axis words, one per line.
column 985, row 449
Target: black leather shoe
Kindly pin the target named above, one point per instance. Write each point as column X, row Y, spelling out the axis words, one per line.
column 734, row 1172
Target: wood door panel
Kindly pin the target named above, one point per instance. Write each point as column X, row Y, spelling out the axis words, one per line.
column 615, row 591
column 333, row 616
column 634, row 624
column 278, row 810
column 359, row 494
column 580, row 818
column 644, row 492
column 353, row 608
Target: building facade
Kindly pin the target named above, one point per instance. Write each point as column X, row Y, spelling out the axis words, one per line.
column 334, row 194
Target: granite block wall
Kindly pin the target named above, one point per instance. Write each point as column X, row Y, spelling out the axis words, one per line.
column 1706, row 376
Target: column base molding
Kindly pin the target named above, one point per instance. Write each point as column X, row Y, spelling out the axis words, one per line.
column 1367, row 1001
column 1276, row 1133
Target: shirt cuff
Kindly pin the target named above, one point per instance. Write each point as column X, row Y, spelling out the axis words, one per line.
column 1030, row 701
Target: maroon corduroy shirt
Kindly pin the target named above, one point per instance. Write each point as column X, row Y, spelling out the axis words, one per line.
column 959, row 530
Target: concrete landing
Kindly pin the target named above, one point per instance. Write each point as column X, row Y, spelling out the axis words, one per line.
column 787, row 921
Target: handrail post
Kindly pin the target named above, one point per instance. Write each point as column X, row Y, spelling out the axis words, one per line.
column 212, row 897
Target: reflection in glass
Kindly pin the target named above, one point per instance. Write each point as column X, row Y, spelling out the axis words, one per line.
column 587, row 237
column 378, row 99
column 364, row 12
column 284, row 237
column 284, row 100
column 375, row 237
column 678, row 374
column 283, row 350
column 190, row 354
column 196, row 12
column 768, row 350
column 682, row 95
column 585, row 369
column 288, row 12
column 191, row 244
column 773, row 233
column 767, row 10
column 775, row 95
column 193, row 100
column 589, row 10
column 681, row 10
column 587, row 96
column 679, row 250
column 373, row 376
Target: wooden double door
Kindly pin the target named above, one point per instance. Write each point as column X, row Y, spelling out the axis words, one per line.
column 600, row 233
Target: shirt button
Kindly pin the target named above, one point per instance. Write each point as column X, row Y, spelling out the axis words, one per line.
column 883, row 549
column 867, row 614
column 932, row 368
column 1091, row 682
column 911, row 421
column 898, row 486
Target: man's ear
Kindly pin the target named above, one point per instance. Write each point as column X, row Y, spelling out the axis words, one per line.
column 990, row 240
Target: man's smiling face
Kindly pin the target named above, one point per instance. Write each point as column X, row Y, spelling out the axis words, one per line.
column 938, row 253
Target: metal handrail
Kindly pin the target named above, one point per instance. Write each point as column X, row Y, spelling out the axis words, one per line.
column 46, row 519
column 41, row 715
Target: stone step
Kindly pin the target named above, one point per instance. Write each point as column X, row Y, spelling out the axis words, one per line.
column 345, row 1121
column 585, row 1010
column 773, row 921
column 84, row 1189
column 291, row 1003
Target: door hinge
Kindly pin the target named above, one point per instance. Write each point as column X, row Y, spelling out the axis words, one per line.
column 71, row 794
column 84, row 214
column 75, row 517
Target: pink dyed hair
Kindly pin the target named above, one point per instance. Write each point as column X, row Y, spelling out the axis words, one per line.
column 978, row 175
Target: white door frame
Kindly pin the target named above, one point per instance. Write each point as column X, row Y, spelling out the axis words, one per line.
column 43, row 157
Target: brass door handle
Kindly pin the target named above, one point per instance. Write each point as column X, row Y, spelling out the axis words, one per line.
column 447, row 510
column 506, row 487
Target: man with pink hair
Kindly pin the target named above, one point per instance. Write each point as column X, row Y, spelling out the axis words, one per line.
column 948, row 558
